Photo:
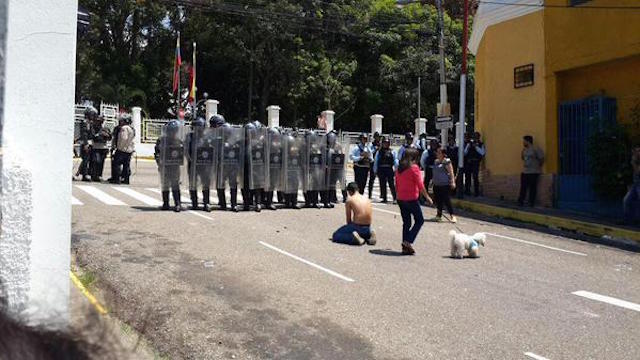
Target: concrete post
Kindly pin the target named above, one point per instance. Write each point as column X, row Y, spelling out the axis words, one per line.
column 376, row 123
column 421, row 127
column 35, row 227
column 273, row 116
column 136, row 122
column 211, row 108
column 329, row 116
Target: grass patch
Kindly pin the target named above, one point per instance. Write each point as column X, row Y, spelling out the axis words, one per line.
column 87, row 279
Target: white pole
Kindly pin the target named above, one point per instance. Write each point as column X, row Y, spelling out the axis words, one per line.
column 273, row 116
column 211, row 107
column 136, row 122
column 461, row 119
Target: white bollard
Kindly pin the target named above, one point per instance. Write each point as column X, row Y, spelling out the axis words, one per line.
column 329, row 116
column 376, row 123
column 273, row 116
column 421, row 127
column 211, row 108
column 35, row 226
column 136, row 122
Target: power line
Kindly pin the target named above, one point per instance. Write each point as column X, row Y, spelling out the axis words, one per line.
column 595, row 7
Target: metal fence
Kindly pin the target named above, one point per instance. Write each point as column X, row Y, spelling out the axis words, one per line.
column 108, row 111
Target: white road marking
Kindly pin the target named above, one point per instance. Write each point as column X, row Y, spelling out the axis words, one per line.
column 101, row 195
column 388, row 212
column 534, row 356
column 75, row 201
column 330, row 272
column 536, row 244
column 138, row 196
column 608, row 300
column 157, row 191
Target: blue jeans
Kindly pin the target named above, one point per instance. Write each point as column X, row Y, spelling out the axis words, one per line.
column 630, row 202
column 344, row 235
column 408, row 209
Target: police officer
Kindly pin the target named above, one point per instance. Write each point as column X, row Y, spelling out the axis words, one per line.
column 362, row 157
column 385, row 164
column 293, row 152
column 230, row 163
column 200, row 156
column 314, row 170
column 335, row 170
column 375, row 145
column 90, row 115
column 255, row 165
column 474, row 152
column 408, row 143
column 100, row 135
column 275, row 167
column 169, row 156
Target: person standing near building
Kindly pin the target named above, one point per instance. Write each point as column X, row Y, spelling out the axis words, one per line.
column 408, row 143
column 362, row 157
column 632, row 198
column 410, row 186
column 444, row 181
column 384, row 166
column 452, row 153
column 474, row 152
column 100, row 135
column 427, row 159
column 533, row 159
column 84, row 171
column 375, row 146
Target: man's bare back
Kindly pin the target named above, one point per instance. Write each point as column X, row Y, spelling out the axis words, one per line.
column 359, row 210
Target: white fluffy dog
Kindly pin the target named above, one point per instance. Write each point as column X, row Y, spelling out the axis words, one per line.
column 461, row 242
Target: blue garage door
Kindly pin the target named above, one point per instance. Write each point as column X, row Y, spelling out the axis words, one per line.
column 578, row 121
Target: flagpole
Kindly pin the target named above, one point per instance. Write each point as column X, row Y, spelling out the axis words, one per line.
column 193, row 85
column 178, row 103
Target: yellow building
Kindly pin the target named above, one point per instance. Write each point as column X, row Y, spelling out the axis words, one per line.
column 532, row 63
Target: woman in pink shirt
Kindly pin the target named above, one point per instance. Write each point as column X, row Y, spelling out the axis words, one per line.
column 409, row 187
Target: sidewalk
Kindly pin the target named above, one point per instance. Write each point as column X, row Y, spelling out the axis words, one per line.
column 548, row 217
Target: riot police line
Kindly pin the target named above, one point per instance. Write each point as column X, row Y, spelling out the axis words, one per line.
column 262, row 162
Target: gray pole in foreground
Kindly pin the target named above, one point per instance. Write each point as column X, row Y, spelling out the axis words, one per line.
column 463, row 98
column 419, row 96
column 444, row 134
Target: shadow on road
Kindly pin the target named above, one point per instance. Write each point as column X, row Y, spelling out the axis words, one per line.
column 387, row 252
column 148, row 208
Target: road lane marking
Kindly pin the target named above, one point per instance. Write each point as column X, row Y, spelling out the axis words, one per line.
column 608, row 300
column 330, row 272
column 536, row 244
column 101, row 195
column 387, row 211
column 138, row 196
column 534, row 356
column 75, row 201
column 157, row 191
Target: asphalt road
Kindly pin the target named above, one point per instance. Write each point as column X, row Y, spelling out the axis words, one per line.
column 272, row 286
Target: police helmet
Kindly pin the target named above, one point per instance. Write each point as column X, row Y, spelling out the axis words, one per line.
column 199, row 122
column 217, row 120
column 173, row 125
column 257, row 124
column 249, row 127
column 90, row 112
column 274, row 131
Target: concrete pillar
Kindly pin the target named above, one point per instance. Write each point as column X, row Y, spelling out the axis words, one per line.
column 421, row 127
column 35, row 227
column 376, row 123
column 329, row 116
column 211, row 108
column 273, row 116
column 136, row 122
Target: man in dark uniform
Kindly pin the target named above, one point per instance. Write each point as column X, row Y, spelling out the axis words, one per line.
column 474, row 152
column 375, row 145
column 362, row 157
column 230, row 163
column 293, row 158
column 201, row 159
column 385, row 164
column 100, row 135
column 275, row 183
column 335, row 170
column 90, row 115
column 255, row 173
column 169, row 155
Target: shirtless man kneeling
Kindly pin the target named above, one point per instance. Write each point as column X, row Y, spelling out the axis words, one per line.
column 359, row 214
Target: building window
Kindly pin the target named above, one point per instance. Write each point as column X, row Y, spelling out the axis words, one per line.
column 523, row 76
column 578, row 2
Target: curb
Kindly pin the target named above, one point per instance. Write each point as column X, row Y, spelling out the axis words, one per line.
column 555, row 222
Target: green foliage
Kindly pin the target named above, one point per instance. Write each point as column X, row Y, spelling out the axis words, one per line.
column 358, row 57
column 609, row 151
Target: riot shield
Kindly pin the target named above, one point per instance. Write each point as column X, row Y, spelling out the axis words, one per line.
column 275, row 146
column 231, row 157
column 336, row 162
column 293, row 163
column 257, row 156
column 202, row 158
column 169, row 155
column 315, row 162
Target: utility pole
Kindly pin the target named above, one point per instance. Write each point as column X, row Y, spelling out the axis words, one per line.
column 463, row 98
column 419, row 96
column 444, row 133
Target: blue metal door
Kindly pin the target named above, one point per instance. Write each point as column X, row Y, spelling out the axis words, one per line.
column 577, row 122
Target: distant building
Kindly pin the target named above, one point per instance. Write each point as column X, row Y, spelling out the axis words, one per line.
column 550, row 71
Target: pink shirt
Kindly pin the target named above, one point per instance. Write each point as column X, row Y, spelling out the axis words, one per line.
column 409, row 183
